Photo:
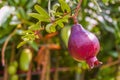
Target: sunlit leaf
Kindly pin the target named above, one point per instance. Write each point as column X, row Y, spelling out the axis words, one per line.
column 65, row 20
column 22, row 13
column 39, row 17
column 64, row 6
column 36, row 26
column 65, row 34
column 41, row 11
column 16, row 1
column 61, row 24
column 56, row 6
column 105, row 1
column 34, row 45
column 30, row 3
column 50, row 27
column 21, row 44
column 59, row 14
column 11, row 2
column 23, row 2
column 85, row 2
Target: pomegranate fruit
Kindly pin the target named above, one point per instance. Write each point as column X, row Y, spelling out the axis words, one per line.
column 83, row 45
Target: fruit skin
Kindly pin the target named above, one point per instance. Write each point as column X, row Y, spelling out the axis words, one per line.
column 12, row 69
column 14, row 63
column 14, row 77
column 83, row 45
column 25, row 59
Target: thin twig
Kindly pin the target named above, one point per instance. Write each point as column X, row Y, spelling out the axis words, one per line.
column 5, row 45
column 51, row 46
column 36, row 72
column 12, row 53
column 44, row 63
column 48, row 64
column 76, row 12
column 78, row 8
column 29, row 72
column 50, row 35
column 61, row 69
column 110, row 64
column 56, row 74
column 5, row 73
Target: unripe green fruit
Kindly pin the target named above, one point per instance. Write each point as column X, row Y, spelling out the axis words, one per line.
column 12, row 70
column 14, row 77
column 15, row 64
column 25, row 59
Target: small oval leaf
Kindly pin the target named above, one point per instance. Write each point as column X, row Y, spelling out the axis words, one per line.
column 41, row 11
column 39, row 17
column 21, row 44
column 64, row 6
column 48, row 28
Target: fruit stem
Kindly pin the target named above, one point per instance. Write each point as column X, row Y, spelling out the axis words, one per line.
column 76, row 12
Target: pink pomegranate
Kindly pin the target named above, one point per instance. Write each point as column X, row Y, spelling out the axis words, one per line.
column 83, row 45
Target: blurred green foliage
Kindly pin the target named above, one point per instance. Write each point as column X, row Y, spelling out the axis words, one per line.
column 21, row 20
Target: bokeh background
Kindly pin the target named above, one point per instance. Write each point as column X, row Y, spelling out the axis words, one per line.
column 47, row 58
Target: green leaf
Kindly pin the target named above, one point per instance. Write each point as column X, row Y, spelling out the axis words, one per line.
column 22, row 13
column 23, row 2
column 84, row 3
column 105, row 1
column 59, row 14
column 29, row 35
column 65, row 20
column 55, row 6
column 41, row 11
column 65, row 34
column 11, row 2
column 61, row 24
column 66, row 17
column 36, row 26
column 17, row 1
column 21, row 44
column 97, row 5
column 50, row 27
column 39, row 17
column 34, row 45
column 113, row 54
column 30, row 4
column 64, row 6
